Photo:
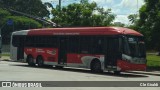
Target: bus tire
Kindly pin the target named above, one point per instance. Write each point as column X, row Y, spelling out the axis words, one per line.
column 47, row 66
column 30, row 60
column 117, row 72
column 96, row 66
column 40, row 61
column 59, row 67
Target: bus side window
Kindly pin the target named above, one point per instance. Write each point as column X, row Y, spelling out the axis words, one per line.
column 97, row 45
column 18, row 40
column 73, row 44
column 41, row 41
column 54, row 42
column 85, row 44
column 15, row 41
column 30, row 41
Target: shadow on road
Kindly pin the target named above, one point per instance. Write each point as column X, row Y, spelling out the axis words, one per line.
column 124, row 75
column 152, row 69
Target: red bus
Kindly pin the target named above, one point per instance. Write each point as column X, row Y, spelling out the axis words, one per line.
column 0, row 46
column 97, row 48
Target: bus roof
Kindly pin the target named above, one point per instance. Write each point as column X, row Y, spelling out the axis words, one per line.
column 83, row 31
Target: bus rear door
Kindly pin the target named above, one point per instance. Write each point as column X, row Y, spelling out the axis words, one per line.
column 63, row 50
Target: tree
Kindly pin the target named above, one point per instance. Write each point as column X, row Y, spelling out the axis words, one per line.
column 7, row 3
column 32, row 7
column 19, row 23
column 133, row 18
column 3, row 15
column 23, row 23
column 82, row 14
column 149, row 23
column 118, row 24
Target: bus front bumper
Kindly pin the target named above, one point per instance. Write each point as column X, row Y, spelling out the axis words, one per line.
column 126, row 66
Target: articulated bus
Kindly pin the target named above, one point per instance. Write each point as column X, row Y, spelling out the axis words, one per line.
column 0, row 46
column 97, row 48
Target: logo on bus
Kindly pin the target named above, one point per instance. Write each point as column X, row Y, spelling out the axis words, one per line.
column 40, row 50
column 30, row 50
column 51, row 52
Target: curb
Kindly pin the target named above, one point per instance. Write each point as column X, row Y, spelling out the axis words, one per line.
column 147, row 73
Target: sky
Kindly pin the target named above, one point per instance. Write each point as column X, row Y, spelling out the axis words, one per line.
column 121, row 8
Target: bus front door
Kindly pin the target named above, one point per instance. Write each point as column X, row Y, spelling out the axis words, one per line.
column 62, row 59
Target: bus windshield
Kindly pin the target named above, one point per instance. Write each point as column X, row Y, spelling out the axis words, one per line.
column 135, row 46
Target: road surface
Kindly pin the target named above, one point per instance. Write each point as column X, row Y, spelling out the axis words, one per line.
column 16, row 71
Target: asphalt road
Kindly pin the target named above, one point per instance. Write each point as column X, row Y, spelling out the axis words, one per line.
column 15, row 71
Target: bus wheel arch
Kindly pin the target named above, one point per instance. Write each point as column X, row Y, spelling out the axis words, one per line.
column 117, row 72
column 30, row 60
column 95, row 65
column 40, row 61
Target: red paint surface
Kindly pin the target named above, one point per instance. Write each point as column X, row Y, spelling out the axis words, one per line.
column 84, row 31
column 126, row 66
column 48, row 54
column 76, row 58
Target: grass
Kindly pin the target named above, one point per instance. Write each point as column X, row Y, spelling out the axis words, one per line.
column 153, row 62
column 151, row 51
column 5, row 54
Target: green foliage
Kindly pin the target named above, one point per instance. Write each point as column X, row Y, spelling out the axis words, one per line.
column 20, row 23
column 7, row 3
column 3, row 15
column 133, row 18
column 118, row 24
column 82, row 14
column 48, row 5
column 32, row 7
column 150, row 22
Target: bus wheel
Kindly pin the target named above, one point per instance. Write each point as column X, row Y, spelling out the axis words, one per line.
column 96, row 66
column 30, row 61
column 117, row 72
column 59, row 67
column 40, row 61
